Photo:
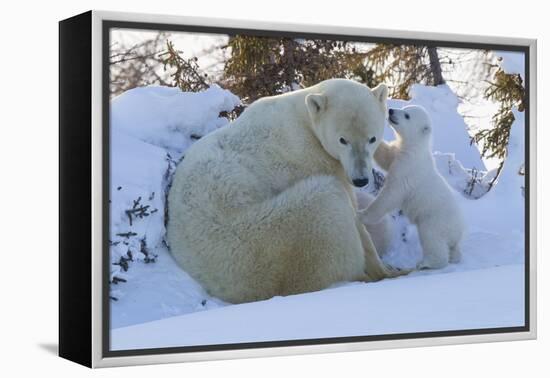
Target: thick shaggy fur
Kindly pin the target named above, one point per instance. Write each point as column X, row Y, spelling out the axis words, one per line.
column 414, row 186
column 264, row 207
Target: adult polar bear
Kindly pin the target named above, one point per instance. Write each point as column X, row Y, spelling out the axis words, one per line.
column 265, row 206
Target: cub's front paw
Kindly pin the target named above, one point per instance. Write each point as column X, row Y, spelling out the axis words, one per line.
column 432, row 264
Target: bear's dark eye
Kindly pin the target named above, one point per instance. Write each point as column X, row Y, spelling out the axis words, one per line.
column 343, row 141
column 372, row 140
column 407, row 116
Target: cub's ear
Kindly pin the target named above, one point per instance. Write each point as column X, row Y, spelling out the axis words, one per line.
column 316, row 104
column 381, row 93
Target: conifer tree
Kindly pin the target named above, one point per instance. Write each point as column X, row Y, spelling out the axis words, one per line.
column 509, row 91
column 404, row 65
column 263, row 66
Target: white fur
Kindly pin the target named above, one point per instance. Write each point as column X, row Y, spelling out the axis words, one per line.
column 414, row 186
column 382, row 232
column 264, row 206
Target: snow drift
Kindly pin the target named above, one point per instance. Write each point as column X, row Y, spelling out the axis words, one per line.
column 450, row 132
column 151, row 127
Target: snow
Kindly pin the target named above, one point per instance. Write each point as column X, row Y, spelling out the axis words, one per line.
column 450, row 132
column 157, row 290
column 504, row 206
column 159, row 305
column 353, row 310
column 167, row 117
column 457, row 159
column 151, row 128
column 471, row 183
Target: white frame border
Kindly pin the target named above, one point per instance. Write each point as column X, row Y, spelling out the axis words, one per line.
column 97, row 183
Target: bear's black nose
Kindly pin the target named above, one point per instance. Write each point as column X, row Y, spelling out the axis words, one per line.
column 390, row 111
column 360, row 182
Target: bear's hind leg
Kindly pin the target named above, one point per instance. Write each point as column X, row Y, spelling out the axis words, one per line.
column 456, row 254
column 435, row 250
column 306, row 240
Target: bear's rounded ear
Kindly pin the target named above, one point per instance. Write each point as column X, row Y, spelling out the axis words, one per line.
column 316, row 103
column 381, row 93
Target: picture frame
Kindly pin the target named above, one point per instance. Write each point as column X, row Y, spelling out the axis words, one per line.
column 84, row 259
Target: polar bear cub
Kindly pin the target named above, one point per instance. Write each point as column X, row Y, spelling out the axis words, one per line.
column 414, row 186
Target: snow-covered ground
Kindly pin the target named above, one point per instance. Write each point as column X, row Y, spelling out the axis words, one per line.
column 156, row 304
column 436, row 302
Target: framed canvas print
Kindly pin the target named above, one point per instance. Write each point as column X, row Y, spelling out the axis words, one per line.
column 233, row 189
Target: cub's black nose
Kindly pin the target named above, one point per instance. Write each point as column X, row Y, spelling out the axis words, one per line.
column 360, row 182
column 390, row 111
